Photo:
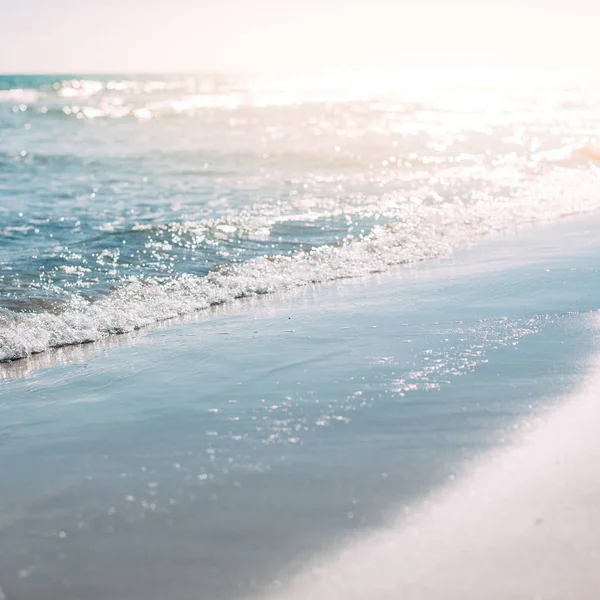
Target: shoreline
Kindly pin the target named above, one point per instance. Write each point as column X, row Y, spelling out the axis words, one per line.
column 426, row 235
column 522, row 522
column 536, row 232
column 257, row 437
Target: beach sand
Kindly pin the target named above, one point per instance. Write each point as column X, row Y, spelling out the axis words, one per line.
column 370, row 429
column 522, row 523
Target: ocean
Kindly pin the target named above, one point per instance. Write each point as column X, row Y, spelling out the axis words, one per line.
column 344, row 336
column 129, row 200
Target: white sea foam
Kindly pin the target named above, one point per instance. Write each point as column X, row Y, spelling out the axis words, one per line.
column 423, row 232
column 19, row 96
column 523, row 523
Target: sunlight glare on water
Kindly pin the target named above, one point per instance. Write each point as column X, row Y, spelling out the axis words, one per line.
column 127, row 200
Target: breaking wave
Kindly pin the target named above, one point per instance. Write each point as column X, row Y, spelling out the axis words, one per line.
column 422, row 232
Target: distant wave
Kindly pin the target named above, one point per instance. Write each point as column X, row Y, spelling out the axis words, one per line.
column 20, row 96
column 421, row 233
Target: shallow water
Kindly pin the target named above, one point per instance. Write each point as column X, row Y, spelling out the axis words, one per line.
column 128, row 200
column 211, row 458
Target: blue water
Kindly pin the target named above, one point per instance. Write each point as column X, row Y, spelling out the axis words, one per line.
column 131, row 190
column 211, row 459
column 215, row 456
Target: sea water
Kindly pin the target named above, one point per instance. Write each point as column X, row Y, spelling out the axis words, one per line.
column 126, row 200
column 217, row 456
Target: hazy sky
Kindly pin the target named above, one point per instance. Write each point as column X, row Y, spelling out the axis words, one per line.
column 284, row 35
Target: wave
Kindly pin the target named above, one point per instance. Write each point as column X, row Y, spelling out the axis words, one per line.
column 19, row 96
column 421, row 232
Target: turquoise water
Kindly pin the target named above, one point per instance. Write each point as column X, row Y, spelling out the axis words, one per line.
column 214, row 456
column 127, row 200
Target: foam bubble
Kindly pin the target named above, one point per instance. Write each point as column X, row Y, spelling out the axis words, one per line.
column 421, row 232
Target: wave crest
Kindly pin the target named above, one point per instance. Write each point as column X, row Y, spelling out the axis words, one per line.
column 422, row 233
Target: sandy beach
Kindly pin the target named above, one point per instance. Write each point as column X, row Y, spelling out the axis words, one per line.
column 522, row 522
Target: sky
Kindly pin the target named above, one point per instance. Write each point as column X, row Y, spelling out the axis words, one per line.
column 161, row 36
